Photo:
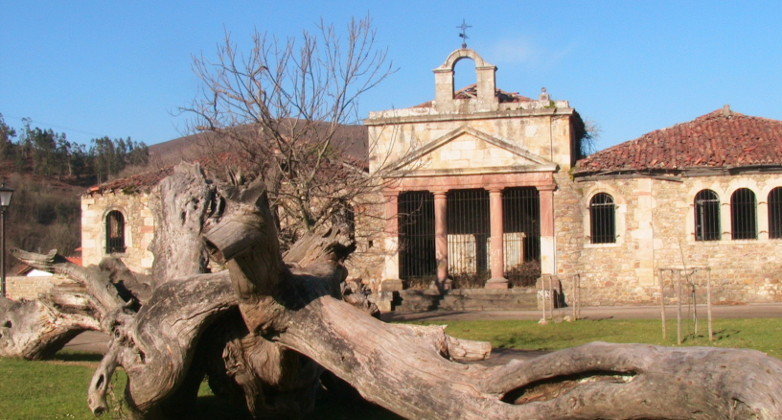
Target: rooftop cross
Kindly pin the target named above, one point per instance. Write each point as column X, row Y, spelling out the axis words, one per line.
column 463, row 33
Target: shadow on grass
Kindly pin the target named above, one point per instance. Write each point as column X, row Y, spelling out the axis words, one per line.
column 211, row 407
column 74, row 356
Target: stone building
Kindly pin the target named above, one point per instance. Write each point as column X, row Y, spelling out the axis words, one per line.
column 488, row 190
column 704, row 193
column 473, row 176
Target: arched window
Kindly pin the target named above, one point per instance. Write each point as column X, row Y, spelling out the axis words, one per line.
column 707, row 216
column 115, row 232
column 602, row 219
column 775, row 213
column 743, row 214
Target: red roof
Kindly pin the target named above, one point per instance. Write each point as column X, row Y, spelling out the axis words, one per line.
column 471, row 92
column 720, row 139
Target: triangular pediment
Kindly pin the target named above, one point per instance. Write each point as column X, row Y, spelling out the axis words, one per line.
column 472, row 151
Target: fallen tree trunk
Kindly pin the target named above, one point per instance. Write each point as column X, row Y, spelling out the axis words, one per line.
column 263, row 331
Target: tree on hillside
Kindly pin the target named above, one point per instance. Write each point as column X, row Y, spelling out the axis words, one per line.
column 283, row 108
column 7, row 134
column 110, row 156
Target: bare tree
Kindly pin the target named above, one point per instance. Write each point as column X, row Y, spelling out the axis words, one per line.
column 284, row 110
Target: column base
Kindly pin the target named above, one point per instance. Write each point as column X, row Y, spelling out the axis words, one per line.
column 384, row 301
column 391, row 285
column 446, row 284
column 499, row 283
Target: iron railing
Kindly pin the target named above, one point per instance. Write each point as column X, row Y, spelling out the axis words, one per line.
column 417, row 261
column 602, row 219
column 743, row 214
column 115, row 232
column 468, row 237
column 521, row 224
column 707, row 216
column 775, row 213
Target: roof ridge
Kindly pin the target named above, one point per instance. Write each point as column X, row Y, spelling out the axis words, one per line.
column 733, row 139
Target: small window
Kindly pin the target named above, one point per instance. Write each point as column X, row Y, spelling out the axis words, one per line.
column 775, row 213
column 602, row 220
column 743, row 214
column 115, row 232
column 707, row 216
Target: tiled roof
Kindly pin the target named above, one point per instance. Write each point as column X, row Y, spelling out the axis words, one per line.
column 139, row 182
column 720, row 139
column 350, row 142
column 471, row 92
column 146, row 180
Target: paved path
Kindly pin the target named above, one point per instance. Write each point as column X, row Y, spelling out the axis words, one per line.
column 95, row 342
column 752, row 310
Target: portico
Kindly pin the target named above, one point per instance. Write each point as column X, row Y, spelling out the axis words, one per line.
column 469, row 182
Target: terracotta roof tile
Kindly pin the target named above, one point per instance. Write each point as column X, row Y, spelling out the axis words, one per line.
column 471, row 92
column 719, row 139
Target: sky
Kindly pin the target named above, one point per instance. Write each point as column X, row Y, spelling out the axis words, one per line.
column 124, row 68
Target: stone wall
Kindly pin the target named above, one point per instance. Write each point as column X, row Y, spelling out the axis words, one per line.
column 139, row 228
column 29, row 287
column 544, row 134
column 655, row 229
column 366, row 263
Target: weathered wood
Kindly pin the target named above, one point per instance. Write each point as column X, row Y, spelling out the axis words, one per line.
column 38, row 329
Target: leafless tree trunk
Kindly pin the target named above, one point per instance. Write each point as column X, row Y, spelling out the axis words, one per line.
column 285, row 110
column 264, row 330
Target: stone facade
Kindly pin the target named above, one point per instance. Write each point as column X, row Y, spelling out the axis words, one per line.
column 139, row 227
column 655, row 222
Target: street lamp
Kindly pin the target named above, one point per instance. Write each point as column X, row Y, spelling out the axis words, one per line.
column 5, row 200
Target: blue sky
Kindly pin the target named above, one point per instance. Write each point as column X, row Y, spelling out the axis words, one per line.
column 94, row 68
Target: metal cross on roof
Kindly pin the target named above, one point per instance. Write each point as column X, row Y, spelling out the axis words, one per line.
column 463, row 33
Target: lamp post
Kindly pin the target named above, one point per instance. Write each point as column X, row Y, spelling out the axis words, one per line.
column 5, row 200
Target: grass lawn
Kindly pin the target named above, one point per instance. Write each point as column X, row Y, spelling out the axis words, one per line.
column 57, row 389
column 759, row 334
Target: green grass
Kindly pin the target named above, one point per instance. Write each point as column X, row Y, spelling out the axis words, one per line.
column 54, row 389
column 759, row 334
column 57, row 389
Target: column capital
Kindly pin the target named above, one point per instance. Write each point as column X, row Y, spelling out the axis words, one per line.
column 440, row 193
column 495, row 190
column 550, row 187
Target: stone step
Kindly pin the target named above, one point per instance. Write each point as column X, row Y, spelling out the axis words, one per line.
column 517, row 299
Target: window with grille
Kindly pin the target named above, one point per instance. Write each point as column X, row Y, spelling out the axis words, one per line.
column 707, row 216
column 775, row 213
column 602, row 219
column 115, row 232
column 743, row 214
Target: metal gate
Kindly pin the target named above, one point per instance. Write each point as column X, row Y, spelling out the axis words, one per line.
column 468, row 237
column 521, row 227
column 417, row 261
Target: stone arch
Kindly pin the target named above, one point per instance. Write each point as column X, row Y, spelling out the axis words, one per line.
column 115, row 231
column 485, row 81
column 460, row 54
column 620, row 211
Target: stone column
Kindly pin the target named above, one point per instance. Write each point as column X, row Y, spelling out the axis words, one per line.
column 391, row 281
column 548, row 247
column 497, row 280
column 441, row 238
column 762, row 220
